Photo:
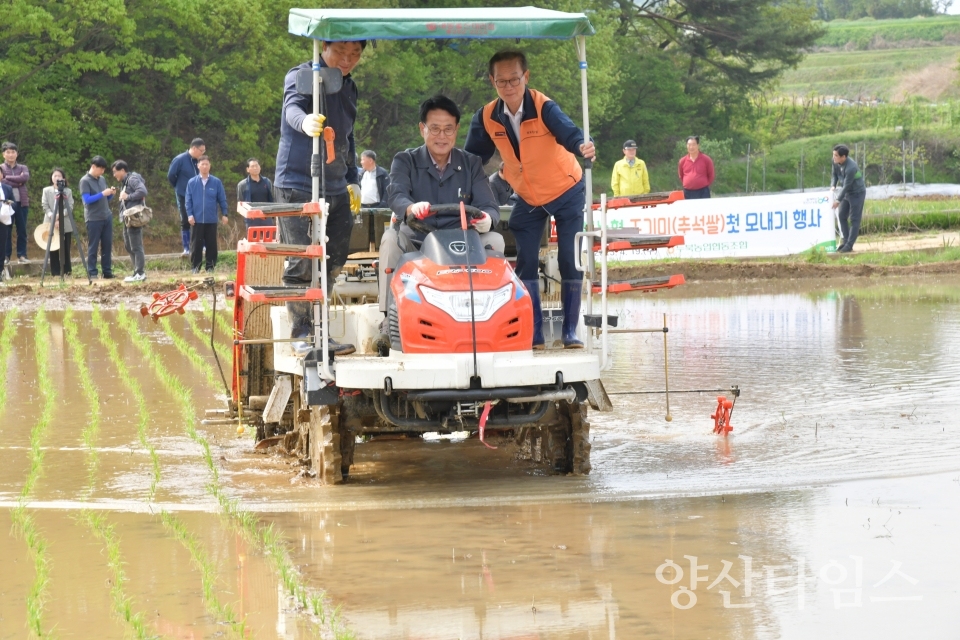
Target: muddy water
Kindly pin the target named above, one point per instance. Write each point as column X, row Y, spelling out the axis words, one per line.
column 843, row 467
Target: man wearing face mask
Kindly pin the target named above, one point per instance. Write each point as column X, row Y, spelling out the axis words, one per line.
column 293, row 182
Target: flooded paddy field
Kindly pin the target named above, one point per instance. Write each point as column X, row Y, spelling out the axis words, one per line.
column 832, row 510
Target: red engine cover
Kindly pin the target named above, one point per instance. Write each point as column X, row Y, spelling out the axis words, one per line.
column 425, row 328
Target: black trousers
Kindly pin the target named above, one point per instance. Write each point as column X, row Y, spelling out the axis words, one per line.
column 55, row 256
column 204, row 236
column 696, row 194
column 296, row 230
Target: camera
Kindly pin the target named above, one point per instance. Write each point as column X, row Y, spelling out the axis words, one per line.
column 61, row 185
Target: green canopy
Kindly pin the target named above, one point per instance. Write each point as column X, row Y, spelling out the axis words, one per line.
column 399, row 24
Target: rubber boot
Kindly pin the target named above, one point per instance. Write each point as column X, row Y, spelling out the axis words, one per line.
column 301, row 329
column 570, row 291
column 533, row 288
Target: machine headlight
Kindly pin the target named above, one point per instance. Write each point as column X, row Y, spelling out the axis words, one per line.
column 457, row 303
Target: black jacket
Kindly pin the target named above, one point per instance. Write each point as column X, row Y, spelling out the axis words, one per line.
column 414, row 178
column 296, row 147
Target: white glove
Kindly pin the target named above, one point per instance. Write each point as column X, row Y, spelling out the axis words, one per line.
column 419, row 210
column 482, row 225
column 313, row 125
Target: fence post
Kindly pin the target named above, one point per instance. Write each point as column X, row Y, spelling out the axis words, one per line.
column 748, row 167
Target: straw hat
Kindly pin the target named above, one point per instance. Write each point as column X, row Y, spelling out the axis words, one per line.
column 40, row 237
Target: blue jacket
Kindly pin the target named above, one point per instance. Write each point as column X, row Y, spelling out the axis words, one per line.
column 202, row 202
column 296, row 147
column 181, row 170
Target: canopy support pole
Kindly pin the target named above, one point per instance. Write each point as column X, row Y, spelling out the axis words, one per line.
column 318, row 268
column 581, row 43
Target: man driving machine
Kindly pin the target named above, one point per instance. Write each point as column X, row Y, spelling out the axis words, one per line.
column 432, row 174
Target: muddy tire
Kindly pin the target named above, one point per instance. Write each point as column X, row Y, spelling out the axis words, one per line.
column 560, row 442
column 325, row 445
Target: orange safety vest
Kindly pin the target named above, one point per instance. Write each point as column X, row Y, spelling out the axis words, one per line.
column 550, row 169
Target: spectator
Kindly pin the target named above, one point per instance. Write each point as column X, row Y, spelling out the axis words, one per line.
column 373, row 182
column 96, row 213
column 16, row 176
column 539, row 145
column 51, row 215
column 204, row 194
column 255, row 188
column 502, row 191
column 294, row 184
column 853, row 191
column 696, row 171
column 133, row 190
column 6, row 222
column 183, row 168
column 630, row 176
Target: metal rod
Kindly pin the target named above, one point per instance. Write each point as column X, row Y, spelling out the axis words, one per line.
column 658, row 330
column 642, row 393
column 666, row 370
column 266, row 340
column 213, row 330
column 581, row 44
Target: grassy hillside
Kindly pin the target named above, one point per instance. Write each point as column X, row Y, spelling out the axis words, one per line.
column 890, row 60
column 888, row 74
column 880, row 34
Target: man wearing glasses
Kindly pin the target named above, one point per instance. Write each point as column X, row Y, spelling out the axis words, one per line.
column 435, row 173
column 539, row 145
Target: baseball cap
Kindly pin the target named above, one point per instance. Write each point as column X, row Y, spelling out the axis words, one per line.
column 630, row 144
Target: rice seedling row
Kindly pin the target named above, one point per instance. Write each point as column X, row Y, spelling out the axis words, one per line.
column 122, row 603
column 222, row 350
column 223, row 319
column 6, row 347
column 265, row 538
column 24, row 524
column 143, row 415
column 92, row 427
column 184, row 398
column 208, row 572
column 191, row 354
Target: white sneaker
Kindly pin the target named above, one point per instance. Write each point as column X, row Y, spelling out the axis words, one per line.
column 140, row 277
column 185, row 254
column 24, row 260
column 132, row 278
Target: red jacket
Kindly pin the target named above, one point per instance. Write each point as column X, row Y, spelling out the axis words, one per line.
column 696, row 174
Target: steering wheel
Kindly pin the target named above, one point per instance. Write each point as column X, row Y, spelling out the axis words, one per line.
column 420, row 226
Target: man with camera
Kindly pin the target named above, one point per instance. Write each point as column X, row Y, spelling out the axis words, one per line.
column 98, row 217
column 133, row 190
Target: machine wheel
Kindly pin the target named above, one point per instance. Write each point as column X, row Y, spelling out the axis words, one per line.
column 560, row 443
column 325, row 444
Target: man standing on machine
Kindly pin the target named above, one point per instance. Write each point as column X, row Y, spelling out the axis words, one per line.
column 435, row 173
column 293, row 182
column 539, row 145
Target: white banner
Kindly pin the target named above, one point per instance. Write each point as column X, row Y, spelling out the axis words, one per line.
column 745, row 227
